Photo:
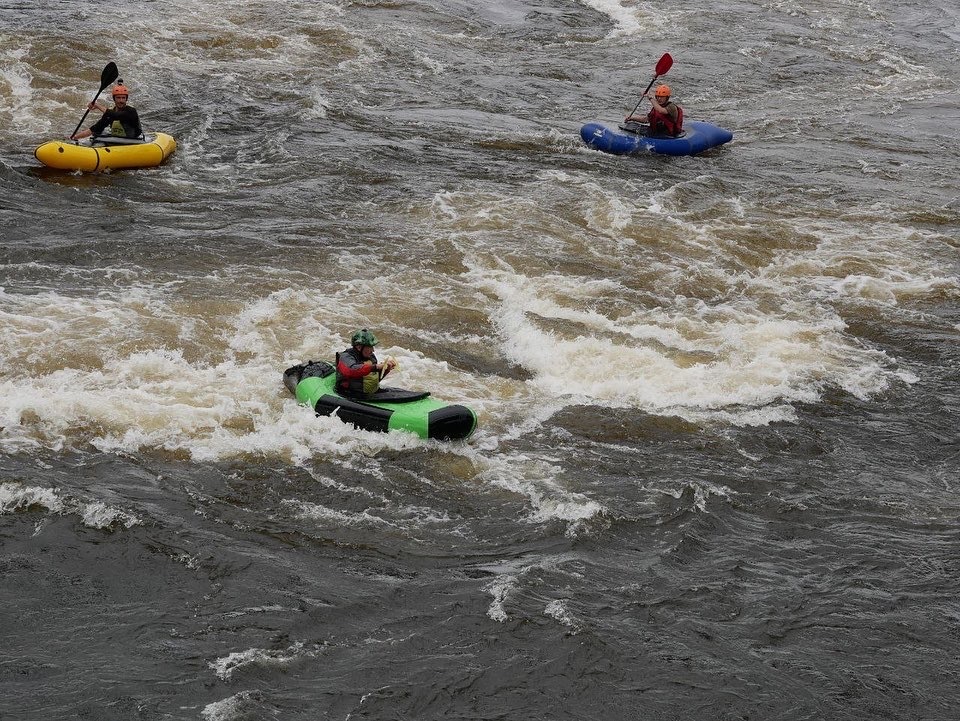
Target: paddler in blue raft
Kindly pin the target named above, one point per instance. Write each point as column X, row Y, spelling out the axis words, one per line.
column 661, row 131
column 665, row 119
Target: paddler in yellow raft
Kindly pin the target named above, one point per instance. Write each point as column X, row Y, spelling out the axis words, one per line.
column 123, row 119
column 124, row 146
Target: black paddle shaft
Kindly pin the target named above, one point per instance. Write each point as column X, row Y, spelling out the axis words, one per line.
column 109, row 74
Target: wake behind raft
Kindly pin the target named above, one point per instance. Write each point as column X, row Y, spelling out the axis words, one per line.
column 631, row 139
column 389, row 409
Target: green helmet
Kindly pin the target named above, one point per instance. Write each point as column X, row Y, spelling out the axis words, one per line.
column 363, row 337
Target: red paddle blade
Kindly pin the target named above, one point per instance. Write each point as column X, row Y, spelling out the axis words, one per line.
column 664, row 64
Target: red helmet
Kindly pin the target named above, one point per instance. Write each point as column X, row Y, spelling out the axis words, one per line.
column 120, row 90
column 663, row 91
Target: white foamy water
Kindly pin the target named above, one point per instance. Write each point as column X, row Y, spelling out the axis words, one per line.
column 774, row 336
column 209, row 389
column 511, row 581
column 218, row 395
column 630, row 17
column 16, row 497
column 225, row 667
column 15, row 86
column 500, row 588
column 185, row 402
column 239, row 706
column 559, row 611
column 539, row 479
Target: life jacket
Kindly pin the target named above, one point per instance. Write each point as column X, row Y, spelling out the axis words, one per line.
column 122, row 123
column 353, row 376
column 663, row 124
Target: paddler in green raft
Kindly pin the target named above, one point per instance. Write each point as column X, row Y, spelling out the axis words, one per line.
column 358, row 372
column 352, row 391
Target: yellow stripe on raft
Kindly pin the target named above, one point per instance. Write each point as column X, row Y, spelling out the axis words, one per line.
column 70, row 156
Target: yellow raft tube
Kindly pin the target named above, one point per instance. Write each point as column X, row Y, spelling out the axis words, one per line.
column 69, row 155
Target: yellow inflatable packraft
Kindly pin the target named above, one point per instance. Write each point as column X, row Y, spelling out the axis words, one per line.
column 68, row 155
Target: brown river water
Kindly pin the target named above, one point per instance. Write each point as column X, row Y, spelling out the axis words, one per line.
column 715, row 473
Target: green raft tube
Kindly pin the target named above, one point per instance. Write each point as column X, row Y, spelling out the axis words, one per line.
column 389, row 409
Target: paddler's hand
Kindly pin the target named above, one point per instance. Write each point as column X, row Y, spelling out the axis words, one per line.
column 388, row 365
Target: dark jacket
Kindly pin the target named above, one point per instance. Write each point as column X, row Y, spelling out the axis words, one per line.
column 127, row 117
column 354, row 375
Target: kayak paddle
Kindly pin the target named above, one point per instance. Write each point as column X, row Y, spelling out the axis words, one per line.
column 109, row 74
column 663, row 66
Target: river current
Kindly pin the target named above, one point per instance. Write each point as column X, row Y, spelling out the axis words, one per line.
column 715, row 473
